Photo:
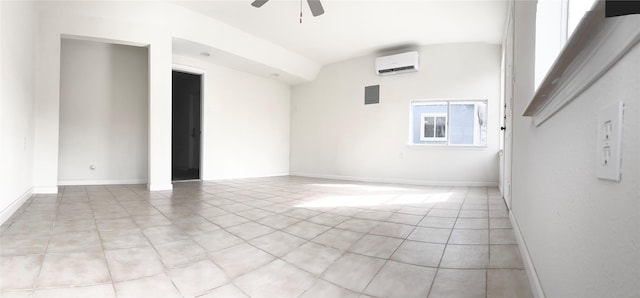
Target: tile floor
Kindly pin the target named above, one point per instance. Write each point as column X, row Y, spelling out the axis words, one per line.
column 264, row 237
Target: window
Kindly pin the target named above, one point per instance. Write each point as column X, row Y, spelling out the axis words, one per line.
column 555, row 22
column 458, row 123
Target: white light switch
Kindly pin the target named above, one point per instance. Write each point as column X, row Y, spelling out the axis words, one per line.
column 609, row 142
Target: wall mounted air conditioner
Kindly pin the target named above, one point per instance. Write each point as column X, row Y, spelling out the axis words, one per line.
column 399, row 63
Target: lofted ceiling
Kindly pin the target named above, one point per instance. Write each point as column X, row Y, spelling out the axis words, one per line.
column 352, row 28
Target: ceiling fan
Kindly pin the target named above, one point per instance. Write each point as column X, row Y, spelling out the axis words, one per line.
column 314, row 5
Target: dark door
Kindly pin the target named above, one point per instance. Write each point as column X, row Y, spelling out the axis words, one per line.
column 185, row 126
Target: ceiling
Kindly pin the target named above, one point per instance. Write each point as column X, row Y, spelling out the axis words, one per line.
column 353, row 28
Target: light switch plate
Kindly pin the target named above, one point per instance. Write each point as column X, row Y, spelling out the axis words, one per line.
column 609, row 142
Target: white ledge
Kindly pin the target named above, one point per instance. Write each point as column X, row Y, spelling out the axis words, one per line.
column 596, row 45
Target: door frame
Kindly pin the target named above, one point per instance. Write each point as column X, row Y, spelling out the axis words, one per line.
column 506, row 107
column 202, row 74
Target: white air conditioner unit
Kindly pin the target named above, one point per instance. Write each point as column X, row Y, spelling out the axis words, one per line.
column 399, row 63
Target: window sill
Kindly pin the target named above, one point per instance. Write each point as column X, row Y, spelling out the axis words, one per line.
column 596, row 45
column 447, row 147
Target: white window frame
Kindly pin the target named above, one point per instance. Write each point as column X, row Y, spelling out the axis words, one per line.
column 423, row 117
column 448, row 103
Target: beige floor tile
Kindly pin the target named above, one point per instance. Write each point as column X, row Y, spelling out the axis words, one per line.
column 132, row 263
column 240, row 259
column 469, row 237
column 278, row 243
column 226, row 291
column 502, row 236
column 180, row 252
column 306, row 230
column 390, row 229
column 197, row 278
column 419, row 253
column 19, row 272
column 505, row 256
column 23, row 244
column 401, row 280
column 111, row 224
column 153, row 286
column 438, row 222
column 277, row 279
column 374, row 215
column 195, row 225
column 73, row 269
column 472, row 223
column 217, row 240
column 278, row 221
column 164, row 234
column 83, row 225
column 312, row 257
column 123, row 239
column 17, row 294
column 301, row 213
column 433, row 235
column 452, row 213
column 358, row 225
column 408, row 219
column 508, row 283
column 353, row 271
column 466, row 256
column 96, row 291
column 328, row 219
column 337, row 238
column 376, row 246
column 146, row 221
column 254, row 214
column 454, row 283
column 249, row 230
column 262, row 233
column 324, row 289
column 228, row 220
column 500, row 223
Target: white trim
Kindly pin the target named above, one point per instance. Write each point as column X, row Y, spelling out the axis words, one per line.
column 159, row 187
column 283, row 174
column 102, row 182
column 596, row 45
column 8, row 211
column 187, row 69
column 534, row 280
column 399, row 181
column 45, row 189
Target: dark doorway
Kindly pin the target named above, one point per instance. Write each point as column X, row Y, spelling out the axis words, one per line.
column 185, row 123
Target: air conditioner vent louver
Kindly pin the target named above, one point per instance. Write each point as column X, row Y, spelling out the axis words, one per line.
column 399, row 63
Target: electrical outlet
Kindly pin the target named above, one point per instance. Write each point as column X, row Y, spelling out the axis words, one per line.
column 609, row 142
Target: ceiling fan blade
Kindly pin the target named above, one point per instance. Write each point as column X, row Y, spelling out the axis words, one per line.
column 316, row 7
column 258, row 3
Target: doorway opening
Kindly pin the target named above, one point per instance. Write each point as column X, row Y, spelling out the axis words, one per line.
column 185, row 125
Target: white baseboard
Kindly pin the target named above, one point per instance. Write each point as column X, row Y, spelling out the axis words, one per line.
column 159, row 187
column 6, row 213
column 102, row 182
column 400, row 181
column 45, row 189
column 534, row 281
column 245, row 177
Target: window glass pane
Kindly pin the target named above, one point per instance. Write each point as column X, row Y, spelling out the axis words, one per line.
column 441, row 127
column 429, row 127
column 467, row 123
column 421, row 132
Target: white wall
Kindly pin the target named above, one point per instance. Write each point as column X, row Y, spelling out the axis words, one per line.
column 104, row 103
column 246, row 118
column 333, row 134
column 581, row 232
column 54, row 26
column 17, row 95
